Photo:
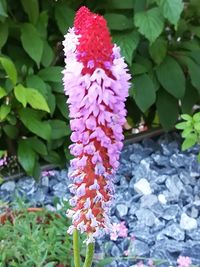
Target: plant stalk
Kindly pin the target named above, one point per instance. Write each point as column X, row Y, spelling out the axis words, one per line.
column 76, row 249
column 89, row 255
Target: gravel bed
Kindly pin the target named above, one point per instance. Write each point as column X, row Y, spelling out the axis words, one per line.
column 157, row 196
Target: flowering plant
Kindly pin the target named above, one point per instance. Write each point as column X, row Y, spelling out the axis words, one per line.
column 96, row 83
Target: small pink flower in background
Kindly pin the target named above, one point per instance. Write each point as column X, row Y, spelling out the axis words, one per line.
column 3, row 161
column 140, row 264
column 118, row 230
column 184, row 261
column 126, row 252
column 150, row 263
column 48, row 173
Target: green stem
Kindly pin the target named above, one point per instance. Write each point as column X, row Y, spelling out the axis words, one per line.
column 89, row 255
column 76, row 249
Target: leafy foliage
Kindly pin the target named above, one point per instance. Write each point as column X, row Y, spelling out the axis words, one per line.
column 190, row 128
column 160, row 40
column 36, row 239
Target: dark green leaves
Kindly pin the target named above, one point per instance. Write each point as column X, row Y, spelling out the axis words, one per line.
column 9, row 68
column 118, row 22
column 32, row 121
column 171, row 77
column 51, row 74
column 144, row 92
column 128, row 43
column 150, row 23
column 171, row 9
column 158, row 50
column 31, row 7
column 59, row 129
column 32, row 42
column 167, row 108
column 26, row 156
column 64, row 17
column 3, row 34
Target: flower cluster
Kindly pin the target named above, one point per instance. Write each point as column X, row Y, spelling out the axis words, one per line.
column 96, row 83
column 184, row 261
column 118, row 230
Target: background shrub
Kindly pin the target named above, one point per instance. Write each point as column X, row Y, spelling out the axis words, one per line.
column 160, row 40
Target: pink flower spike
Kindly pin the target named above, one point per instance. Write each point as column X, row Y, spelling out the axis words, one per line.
column 96, row 82
column 184, row 261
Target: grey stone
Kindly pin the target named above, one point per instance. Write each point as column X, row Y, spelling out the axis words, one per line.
column 179, row 160
column 160, row 179
column 174, row 185
column 113, row 264
column 194, row 234
column 8, row 186
column 145, row 217
column 185, row 177
column 26, row 185
column 187, row 223
column 45, row 181
column 172, row 231
column 115, row 251
column 143, row 234
column 60, row 187
column 193, row 251
column 38, row 197
column 171, row 212
column 160, row 160
column 133, row 209
column 139, row 248
column 157, row 209
column 143, row 187
column 148, row 200
column 121, row 210
column 124, row 244
column 123, row 182
column 123, row 264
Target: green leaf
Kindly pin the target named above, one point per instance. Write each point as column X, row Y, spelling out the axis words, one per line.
column 139, row 5
column 53, row 157
column 9, row 68
column 2, row 153
column 34, row 81
column 118, row 4
column 51, row 74
column 196, row 117
column 59, row 129
column 167, row 108
column 61, row 105
column 138, row 69
column 3, row 34
column 128, row 42
column 64, row 17
column 187, row 132
column 158, row 50
column 31, row 7
column 186, row 117
column 198, row 157
column 144, row 92
column 31, row 119
column 197, row 126
column 3, row 9
column 150, row 23
column 11, row 131
column 48, row 55
column 171, row 9
column 36, row 100
column 37, row 145
column 2, row 92
column 4, row 111
column 171, row 77
column 32, row 42
column 26, row 156
column 182, row 125
column 189, row 99
column 189, row 142
column 118, row 22
column 20, row 94
column 51, row 100
column 194, row 71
